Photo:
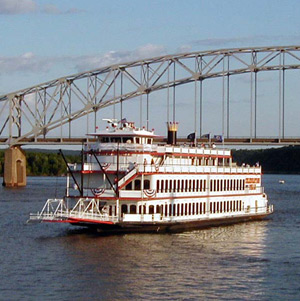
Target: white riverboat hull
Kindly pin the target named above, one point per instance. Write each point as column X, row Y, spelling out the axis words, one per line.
column 126, row 183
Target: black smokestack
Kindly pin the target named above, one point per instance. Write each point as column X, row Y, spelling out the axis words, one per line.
column 172, row 133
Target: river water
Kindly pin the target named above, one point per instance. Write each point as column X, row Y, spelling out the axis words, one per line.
column 250, row 261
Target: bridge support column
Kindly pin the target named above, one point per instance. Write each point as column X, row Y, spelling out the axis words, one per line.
column 14, row 167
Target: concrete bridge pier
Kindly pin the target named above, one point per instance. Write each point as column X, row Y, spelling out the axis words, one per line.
column 14, row 167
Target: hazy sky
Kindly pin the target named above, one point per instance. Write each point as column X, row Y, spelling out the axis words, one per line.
column 42, row 40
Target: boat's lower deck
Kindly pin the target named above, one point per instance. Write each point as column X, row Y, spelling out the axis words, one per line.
column 166, row 227
column 153, row 216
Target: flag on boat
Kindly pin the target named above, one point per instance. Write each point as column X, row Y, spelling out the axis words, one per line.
column 207, row 136
column 191, row 136
column 219, row 138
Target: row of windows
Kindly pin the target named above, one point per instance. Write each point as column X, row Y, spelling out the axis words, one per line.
column 195, row 185
column 136, row 185
column 227, row 184
column 180, row 185
column 183, row 209
column 138, row 140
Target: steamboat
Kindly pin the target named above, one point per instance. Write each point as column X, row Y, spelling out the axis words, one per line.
column 128, row 183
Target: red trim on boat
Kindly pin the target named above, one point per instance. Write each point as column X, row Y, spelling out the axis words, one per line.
column 82, row 220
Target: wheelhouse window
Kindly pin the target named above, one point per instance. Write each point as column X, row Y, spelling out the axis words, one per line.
column 116, row 139
column 127, row 140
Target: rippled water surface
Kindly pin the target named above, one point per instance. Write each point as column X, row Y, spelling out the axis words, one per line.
column 250, row 261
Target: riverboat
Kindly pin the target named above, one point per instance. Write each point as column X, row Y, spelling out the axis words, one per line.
column 128, row 183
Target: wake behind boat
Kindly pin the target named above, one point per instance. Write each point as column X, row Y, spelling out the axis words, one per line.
column 127, row 183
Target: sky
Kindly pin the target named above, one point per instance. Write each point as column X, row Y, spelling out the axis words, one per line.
column 42, row 40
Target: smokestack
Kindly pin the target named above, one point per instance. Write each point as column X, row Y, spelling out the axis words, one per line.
column 172, row 133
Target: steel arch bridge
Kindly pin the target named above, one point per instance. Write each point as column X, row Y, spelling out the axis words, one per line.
column 51, row 112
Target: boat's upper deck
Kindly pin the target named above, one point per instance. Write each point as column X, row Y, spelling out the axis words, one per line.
column 126, row 138
column 180, row 150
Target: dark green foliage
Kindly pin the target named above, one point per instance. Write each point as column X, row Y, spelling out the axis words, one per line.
column 44, row 164
column 272, row 160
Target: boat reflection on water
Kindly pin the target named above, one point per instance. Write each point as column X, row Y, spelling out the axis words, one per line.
column 198, row 264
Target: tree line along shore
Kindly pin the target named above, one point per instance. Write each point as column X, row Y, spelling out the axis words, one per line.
column 273, row 160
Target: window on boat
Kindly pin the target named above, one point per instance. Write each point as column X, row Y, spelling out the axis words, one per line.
column 116, row 139
column 127, row 140
column 128, row 186
column 157, row 185
column 142, row 209
column 146, row 184
column 137, row 185
column 151, row 209
column 123, row 209
column 137, row 140
column 158, row 209
column 132, row 209
column 104, row 139
column 149, row 141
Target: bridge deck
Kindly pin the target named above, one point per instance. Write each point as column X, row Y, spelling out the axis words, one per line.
column 227, row 141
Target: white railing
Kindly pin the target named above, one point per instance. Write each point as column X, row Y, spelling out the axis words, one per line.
column 57, row 210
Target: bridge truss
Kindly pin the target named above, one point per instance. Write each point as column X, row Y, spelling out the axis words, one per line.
column 46, row 113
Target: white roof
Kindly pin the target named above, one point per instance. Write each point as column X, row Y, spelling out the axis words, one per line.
column 123, row 132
